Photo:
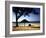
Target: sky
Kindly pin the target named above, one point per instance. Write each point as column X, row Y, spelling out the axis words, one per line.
column 31, row 17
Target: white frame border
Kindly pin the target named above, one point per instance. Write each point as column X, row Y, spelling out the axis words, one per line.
column 23, row 32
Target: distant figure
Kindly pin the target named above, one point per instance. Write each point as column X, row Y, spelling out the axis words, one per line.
column 29, row 24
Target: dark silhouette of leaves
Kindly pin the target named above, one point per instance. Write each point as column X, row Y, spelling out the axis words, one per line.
column 24, row 11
